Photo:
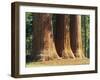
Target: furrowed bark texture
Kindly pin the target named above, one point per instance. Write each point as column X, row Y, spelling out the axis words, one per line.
column 75, row 35
column 62, row 37
column 43, row 44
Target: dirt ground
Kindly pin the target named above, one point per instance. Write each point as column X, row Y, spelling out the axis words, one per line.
column 60, row 62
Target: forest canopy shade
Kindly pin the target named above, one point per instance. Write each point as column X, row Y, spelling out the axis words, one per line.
column 38, row 29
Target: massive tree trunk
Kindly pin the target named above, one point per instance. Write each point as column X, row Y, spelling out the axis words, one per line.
column 62, row 38
column 75, row 35
column 59, row 34
column 43, row 45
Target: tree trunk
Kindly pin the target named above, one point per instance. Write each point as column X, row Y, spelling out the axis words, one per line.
column 62, row 39
column 75, row 35
column 43, row 45
column 59, row 34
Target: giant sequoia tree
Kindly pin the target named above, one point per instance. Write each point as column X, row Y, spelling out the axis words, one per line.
column 75, row 35
column 62, row 37
column 43, row 44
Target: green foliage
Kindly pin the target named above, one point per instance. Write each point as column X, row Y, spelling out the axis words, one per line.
column 29, row 20
column 54, row 23
column 85, row 19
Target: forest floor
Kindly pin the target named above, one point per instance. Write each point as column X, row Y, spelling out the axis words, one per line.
column 60, row 62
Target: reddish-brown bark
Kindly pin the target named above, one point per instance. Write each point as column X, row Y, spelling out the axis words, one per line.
column 75, row 35
column 62, row 37
column 43, row 45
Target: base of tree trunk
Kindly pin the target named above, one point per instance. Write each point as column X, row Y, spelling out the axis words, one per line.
column 79, row 53
column 67, row 54
column 46, row 55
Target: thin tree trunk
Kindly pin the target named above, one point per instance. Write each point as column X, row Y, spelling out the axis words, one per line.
column 75, row 35
column 62, row 39
column 43, row 45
